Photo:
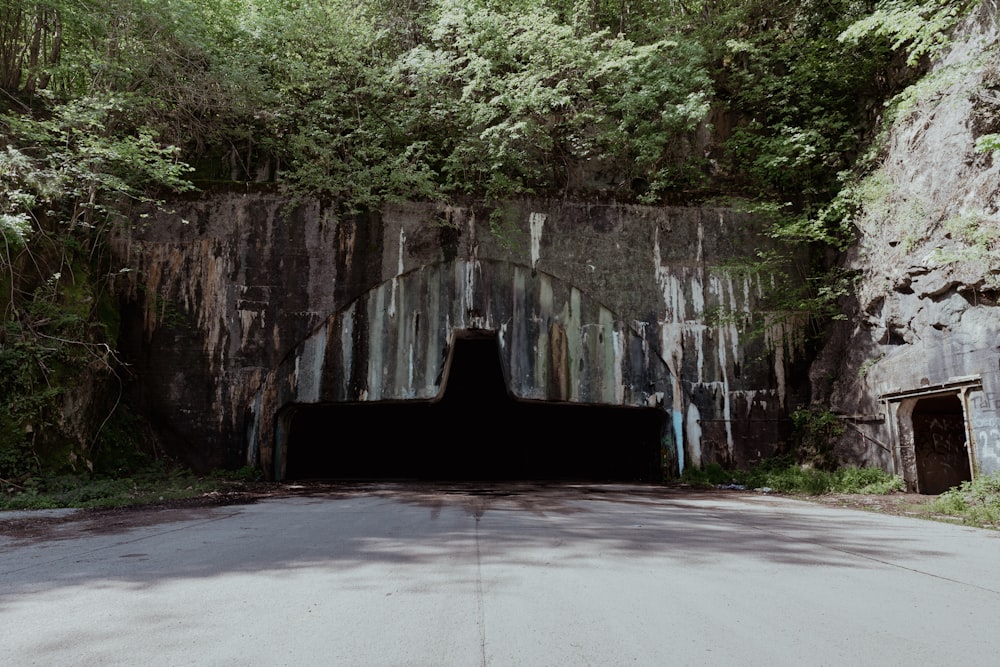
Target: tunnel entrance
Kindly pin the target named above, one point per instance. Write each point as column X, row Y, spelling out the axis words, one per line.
column 475, row 431
column 939, row 444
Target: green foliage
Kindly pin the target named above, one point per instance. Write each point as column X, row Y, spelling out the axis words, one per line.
column 153, row 483
column 501, row 102
column 921, row 28
column 976, row 503
column 50, row 351
column 977, row 244
column 782, row 475
column 711, row 475
column 804, row 100
column 91, row 91
column 866, row 480
column 868, row 364
column 242, row 474
column 988, row 143
column 70, row 163
column 313, row 74
column 798, row 87
column 362, row 101
column 815, row 429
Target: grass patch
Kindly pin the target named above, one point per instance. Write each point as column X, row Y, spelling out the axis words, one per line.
column 149, row 485
column 975, row 503
column 781, row 476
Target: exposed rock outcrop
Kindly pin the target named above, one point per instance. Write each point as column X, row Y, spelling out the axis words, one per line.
column 925, row 322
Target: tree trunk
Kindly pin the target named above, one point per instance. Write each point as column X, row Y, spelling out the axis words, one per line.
column 34, row 50
column 11, row 48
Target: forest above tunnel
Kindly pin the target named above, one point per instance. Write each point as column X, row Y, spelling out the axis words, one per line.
column 118, row 115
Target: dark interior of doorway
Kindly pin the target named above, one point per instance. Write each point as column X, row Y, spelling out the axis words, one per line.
column 476, row 431
column 939, row 444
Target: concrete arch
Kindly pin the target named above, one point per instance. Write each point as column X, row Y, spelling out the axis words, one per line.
column 393, row 344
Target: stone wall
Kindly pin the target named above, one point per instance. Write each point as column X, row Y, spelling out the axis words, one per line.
column 240, row 305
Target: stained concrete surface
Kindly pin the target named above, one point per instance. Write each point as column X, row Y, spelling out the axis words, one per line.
column 502, row 574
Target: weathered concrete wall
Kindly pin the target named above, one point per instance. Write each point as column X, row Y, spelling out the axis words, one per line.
column 925, row 320
column 240, row 306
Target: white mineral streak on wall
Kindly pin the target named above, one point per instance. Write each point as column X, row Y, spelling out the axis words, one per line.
column 411, row 391
column 249, row 317
column 671, row 342
column 694, row 431
column 460, row 304
column 536, row 222
column 469, row 296
column 400, row 342
column 697, row 295
column 399, row 271
column 432, row 352
column 542, row 357
column 309, row 367
column 518, row 344
column 640, row 326
column 253, row 439
column 734, row 333
column 347, row 347
column 574, row 345
column 698, row 281
column 574, row 330
column 696, row 331
column 403, row 384
column 697, row 334
column 376, row 339
column 716, row 287
column 785, row 334
column 774, row 339
column 618, row 338
column 754, row 397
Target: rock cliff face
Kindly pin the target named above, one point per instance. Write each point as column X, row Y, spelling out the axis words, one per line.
column 914, row 369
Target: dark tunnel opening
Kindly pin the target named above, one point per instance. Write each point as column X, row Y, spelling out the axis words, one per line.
column 940, row 444
column 476, row 431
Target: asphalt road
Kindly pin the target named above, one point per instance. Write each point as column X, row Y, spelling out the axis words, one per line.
column 500, row 575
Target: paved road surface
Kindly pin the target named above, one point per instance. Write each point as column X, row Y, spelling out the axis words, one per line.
column 500, row 575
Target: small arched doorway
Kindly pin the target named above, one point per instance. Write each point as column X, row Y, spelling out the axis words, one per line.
column 940, row 445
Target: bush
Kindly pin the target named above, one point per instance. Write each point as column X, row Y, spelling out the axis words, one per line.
column 867, row 480
column 815, row 429
column 151, row 484
column 781, row 475
column 977, row 502
column 711, row 475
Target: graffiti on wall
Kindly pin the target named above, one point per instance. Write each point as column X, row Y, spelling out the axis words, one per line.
column 984, row 408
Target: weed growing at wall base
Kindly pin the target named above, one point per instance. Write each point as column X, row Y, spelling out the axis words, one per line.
column 144, row 487
column 781, row 476
column 976, row 503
